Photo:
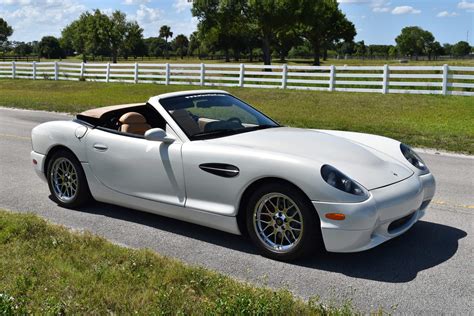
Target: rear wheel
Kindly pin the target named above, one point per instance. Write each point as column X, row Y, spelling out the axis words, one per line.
column 67, row 181
column 282, row 222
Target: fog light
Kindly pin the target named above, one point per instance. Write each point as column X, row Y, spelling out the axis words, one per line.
column 336, row 216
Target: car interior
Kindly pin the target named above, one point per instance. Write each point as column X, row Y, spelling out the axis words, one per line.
column 128, row 120
column 193, row 116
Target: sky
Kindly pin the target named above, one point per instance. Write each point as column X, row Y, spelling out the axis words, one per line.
column 376, row 21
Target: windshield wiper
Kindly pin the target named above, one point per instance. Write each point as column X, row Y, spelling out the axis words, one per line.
column 222, row 132
column 264, row 126
column 230, row 131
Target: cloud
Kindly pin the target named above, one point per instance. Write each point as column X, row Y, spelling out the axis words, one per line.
column 445, row 14
column 372, row 3
column 354, row 1
column 15, row 2
column 376, row 5
column 466, row 5
column 381, row 9
column 405, row 9
column 135, row 2
column 181, row 5
column 33, row 19
column 42, row 12
column 146, row 15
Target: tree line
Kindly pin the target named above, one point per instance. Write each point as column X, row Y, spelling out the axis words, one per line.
column 234, row 29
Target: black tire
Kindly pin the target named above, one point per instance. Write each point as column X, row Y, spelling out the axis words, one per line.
column 310, row 240
column 82, row 195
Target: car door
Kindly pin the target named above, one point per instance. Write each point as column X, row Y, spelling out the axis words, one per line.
column 137, row 167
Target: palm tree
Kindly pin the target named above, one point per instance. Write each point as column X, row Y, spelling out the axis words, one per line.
column 165, row 32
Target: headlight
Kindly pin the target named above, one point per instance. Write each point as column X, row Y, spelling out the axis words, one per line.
column 340, row 181
column 413, row 157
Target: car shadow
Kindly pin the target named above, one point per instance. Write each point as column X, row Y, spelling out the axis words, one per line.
column 399, row 260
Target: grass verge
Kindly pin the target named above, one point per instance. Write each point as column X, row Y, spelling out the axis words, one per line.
column 47, row 269
column 442, row 122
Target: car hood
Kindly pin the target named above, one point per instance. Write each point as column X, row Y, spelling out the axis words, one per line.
column 369, row 167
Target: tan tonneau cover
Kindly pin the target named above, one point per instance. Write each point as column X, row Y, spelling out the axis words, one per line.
column 97, row 113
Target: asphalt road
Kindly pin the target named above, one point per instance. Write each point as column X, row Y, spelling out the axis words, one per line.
column 428, row 270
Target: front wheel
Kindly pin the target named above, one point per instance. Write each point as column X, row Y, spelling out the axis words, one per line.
column 67, row 181
column 282, row 222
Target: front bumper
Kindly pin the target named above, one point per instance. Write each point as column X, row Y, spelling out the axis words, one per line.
column 39, row 165
column 389, row 212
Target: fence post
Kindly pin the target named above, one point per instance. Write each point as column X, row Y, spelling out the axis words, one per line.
column 241, row 75
column 332, row 78
column 284, row 75
column 33, row 66
column 385, row 79
column 107, row 73
column 13, row 70
column 445, row 79
column 81, row 76
column 167, row 74
column 56, row 70
column 203, row 70
column 135, row 77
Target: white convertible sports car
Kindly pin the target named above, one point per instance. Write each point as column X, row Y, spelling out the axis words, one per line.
column 206, row 157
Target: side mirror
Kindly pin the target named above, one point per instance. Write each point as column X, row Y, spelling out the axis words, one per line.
column 159, row 135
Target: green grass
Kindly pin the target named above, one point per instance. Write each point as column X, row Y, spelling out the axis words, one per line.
column 442, row 122
column 46, row 269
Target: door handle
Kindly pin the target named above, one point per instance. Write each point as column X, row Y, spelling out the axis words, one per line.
column 101, row 147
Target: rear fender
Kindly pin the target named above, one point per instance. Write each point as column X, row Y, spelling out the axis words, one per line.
column 69, row 134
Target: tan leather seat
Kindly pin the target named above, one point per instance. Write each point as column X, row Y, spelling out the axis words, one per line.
column 134, row 123
column 186, row 122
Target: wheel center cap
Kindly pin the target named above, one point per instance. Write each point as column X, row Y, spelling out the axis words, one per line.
column 279, row 221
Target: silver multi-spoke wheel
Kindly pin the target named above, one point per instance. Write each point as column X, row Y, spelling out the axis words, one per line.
column 278, row 222
column 64, row 179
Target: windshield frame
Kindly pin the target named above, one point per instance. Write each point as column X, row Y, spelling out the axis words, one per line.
column 215, row 134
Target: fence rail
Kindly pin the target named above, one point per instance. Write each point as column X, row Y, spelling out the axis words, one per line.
column 444, row 80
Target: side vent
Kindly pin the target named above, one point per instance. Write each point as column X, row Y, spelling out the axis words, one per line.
column 220, row 169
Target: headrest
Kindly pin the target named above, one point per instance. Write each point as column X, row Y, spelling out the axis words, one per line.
column 179, row 113
column 132, row 118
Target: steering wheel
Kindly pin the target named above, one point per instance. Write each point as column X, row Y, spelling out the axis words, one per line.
column 235, row 119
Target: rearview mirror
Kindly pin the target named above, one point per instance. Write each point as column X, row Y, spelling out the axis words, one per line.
column 159, row 135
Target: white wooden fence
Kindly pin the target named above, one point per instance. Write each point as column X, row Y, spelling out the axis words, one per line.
column 445, row 80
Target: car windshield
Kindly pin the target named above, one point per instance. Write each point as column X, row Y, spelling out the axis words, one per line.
column 212, row 115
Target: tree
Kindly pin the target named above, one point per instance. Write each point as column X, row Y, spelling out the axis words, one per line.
column 222, row 24
column 134, row 43
column 117, row 30
column 269, row 17
column 155, row 46
column 165, row 32
column 98, row 34
column 461, row 49
column 285, row 39
column 360, row 49
column 447, row 49
column 5, row 32
column 345, row 48
column 434, row 50
column 393, row 52
column 414, row 41
column 180, row 45
column 194, row 43
column 324, row 23
column 73, row 36
column 22, row 48
column 49, row 47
